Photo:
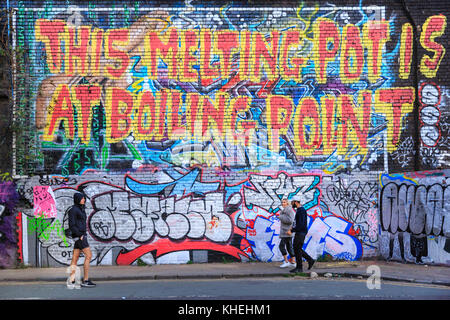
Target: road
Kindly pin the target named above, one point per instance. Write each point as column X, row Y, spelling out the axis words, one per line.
column 280, row 288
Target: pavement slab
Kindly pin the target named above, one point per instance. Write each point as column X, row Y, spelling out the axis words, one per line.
column 388, row 271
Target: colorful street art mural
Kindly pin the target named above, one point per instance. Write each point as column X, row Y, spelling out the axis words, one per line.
column 9, row 199
column 179, row 87
column 148, row 221
column 415, row 216
column 186, row 125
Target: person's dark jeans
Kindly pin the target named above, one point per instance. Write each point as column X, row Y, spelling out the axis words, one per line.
column 299, row 239
column 286, row 243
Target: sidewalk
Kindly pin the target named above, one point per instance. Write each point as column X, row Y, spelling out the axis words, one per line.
column 390, row 271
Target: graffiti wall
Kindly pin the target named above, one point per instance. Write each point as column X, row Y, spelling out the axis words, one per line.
column 8, row 237
column 415, row 216
column 185, row 217
column 186, row 124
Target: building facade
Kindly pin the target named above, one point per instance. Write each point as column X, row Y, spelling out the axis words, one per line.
column 186, row 123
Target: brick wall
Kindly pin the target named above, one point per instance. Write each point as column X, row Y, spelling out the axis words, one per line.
column 186, row 123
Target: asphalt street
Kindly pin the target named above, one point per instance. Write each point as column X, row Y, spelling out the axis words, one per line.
column 277, row 288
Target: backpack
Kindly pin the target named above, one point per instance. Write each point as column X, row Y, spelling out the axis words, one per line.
column 67, row 231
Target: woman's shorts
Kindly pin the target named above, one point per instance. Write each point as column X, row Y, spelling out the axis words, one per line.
column 81, row 244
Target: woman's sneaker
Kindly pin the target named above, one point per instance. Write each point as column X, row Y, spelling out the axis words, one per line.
column 286, row 264
column 88, row 284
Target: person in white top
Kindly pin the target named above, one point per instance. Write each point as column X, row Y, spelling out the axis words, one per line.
column 286, row 218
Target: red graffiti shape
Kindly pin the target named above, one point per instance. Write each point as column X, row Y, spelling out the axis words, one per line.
column 164, row 246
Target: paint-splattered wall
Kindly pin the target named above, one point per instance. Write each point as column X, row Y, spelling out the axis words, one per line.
column 186, row 124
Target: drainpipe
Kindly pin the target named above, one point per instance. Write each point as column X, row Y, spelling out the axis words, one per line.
column 416, row 85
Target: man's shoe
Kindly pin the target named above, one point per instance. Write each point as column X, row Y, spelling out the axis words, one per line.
column 296, row 270
column 88, row 284
column 285, row 265
column 310, row 264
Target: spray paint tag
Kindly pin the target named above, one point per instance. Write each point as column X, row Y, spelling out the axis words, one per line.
column 44, row 202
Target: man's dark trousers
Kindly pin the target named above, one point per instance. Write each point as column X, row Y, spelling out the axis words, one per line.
column 299, row 239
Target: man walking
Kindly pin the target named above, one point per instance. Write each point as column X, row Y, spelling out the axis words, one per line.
column 77, row 225
column 300, row 227
column 286, row 218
